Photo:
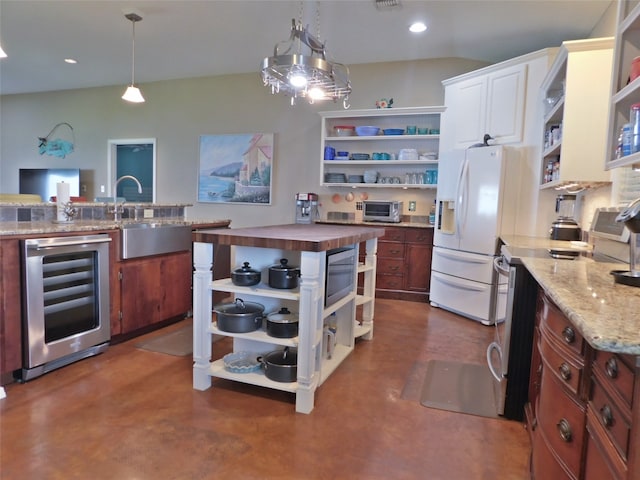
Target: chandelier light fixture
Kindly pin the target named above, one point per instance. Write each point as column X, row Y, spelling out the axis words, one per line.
column 307, row 74
column 133, row 93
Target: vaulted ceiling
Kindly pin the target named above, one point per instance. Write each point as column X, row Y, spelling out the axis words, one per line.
column 187, row 38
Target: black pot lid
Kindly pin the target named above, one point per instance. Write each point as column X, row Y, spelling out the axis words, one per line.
column 283, row 316
column 283, row 265
column 245, row 270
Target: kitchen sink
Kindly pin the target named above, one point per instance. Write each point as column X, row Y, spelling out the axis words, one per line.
column 142, row 239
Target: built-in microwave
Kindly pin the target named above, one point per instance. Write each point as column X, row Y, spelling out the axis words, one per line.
column 340, row 274
column 381, row 211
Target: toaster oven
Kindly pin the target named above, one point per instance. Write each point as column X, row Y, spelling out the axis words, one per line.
column 381, row 211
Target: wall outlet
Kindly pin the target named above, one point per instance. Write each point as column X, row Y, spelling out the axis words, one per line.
column 148, row 213
column 412, row 206
column 101, row 188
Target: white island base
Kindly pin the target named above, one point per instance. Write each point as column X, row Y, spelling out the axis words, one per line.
column 314, row 365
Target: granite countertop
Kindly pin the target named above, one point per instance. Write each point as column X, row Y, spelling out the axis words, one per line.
column 605, row 313
column 46, row 228
column 296, row 237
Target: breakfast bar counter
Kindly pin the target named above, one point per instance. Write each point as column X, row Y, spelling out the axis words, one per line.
column 308, row 247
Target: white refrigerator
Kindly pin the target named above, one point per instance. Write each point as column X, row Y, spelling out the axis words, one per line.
column 477, row 201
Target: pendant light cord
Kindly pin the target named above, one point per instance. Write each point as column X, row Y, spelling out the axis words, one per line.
column 133, row 54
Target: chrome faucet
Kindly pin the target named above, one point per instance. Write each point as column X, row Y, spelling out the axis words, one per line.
column 117, row 211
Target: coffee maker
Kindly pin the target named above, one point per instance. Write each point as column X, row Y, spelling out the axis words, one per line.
column 306, row 207
column 630, row 216
column 565, row 227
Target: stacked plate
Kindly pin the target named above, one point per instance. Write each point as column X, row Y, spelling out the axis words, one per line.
column 355, row 179
column 335, row 178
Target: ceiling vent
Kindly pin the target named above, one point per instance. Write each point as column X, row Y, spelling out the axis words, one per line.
column 387, row 4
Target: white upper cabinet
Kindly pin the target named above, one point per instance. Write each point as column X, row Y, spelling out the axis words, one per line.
column 484, row 103
column 575, row 94
column 624, row 92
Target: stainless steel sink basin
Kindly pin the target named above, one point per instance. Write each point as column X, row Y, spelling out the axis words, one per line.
column 142, row 239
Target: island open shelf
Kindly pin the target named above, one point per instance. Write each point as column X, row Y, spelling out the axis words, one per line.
column 305, row 246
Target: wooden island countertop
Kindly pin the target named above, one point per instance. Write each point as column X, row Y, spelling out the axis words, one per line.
column 300, row 237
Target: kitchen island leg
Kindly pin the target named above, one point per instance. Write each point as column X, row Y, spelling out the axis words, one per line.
column 310, row 333
column 369, row 287
column 202, row 278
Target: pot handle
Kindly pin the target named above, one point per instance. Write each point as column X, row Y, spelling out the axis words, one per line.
column 262, row 361
column 293, row 273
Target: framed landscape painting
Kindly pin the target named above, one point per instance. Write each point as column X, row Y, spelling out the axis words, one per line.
column 236, row 168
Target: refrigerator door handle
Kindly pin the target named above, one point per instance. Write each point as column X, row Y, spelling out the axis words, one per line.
column 461, row 286
column 455, row 255
column 461, row 195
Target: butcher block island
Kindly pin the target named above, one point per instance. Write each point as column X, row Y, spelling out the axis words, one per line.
column 326, row 330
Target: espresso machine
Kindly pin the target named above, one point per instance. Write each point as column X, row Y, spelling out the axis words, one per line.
column 630, row 216
column 565, row 227
column 306, row 207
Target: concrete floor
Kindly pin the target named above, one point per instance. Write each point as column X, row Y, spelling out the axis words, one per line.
column 131, row 414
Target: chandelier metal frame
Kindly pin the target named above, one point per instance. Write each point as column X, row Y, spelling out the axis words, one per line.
column 322, row 75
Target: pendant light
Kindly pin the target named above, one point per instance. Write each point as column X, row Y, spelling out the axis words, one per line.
column 133, row 93
column 305, row 74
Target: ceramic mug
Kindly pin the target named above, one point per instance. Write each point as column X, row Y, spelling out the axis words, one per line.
column 411, row 130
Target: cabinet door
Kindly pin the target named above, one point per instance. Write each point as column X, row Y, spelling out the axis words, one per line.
column 155, row 289
column 418, row 267
column 10, row 307
column 492, row 103
column 505, row 104
column 464, row 119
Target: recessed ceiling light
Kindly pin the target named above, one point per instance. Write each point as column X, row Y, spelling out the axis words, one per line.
column 417, row 27
column 70, row 60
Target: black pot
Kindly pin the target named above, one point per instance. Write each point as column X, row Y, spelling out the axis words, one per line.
column 283, row 275
column 239, row 317
column 245, row 276
column 282, row 324
column 281, row 365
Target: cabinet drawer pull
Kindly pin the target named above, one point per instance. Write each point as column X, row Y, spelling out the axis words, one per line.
column 565, row 371
column 569, row 335
column 564, row 429
column 611, row 367
column 394, row 268
column 607, row 416
column 394, row 252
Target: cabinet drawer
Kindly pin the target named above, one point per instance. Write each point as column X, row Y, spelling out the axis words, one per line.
column 609, row 415
column 616, row 372
column 390, row 266
column 419, row 235
column 561, row 422
column 389, row 282
column 390, row 249
column 567, row 371
column 601, row 461
column 543, row 464
column 392, row 234
column 554, row 322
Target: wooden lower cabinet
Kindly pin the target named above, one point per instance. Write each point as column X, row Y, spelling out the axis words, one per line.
column 10, row 309
column 154, row 289
column 403, row 269
column 585, row 414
